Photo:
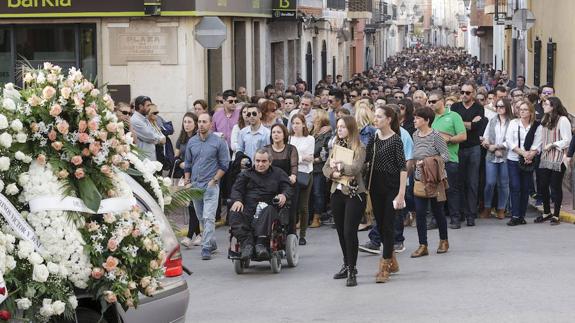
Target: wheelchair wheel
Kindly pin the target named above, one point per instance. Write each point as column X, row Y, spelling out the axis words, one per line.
column 276, row 263
column 292, row 255
column 238, row 266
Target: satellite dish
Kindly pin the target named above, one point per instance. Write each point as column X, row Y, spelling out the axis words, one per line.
column 523, row 19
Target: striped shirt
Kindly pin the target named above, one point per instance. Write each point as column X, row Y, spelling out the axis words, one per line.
column 431, row 145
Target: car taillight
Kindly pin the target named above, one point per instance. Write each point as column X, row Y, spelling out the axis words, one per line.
column 173, row 263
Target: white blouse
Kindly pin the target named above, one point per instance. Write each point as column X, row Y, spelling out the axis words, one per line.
column 512, row 139
column 305, row 147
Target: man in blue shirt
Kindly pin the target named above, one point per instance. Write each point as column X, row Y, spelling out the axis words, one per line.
column 255, row 136
column 207, row 160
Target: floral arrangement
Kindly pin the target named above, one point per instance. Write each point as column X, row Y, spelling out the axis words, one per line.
column 60, row 140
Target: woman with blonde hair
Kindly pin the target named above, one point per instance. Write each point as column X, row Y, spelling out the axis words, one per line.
column 348, row 198
column 322, row 134
column 364, row 119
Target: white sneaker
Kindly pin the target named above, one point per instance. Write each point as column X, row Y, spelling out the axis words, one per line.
column 197, row 240
column 187, row 242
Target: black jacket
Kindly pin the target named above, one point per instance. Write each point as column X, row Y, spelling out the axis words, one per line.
column 252, row 187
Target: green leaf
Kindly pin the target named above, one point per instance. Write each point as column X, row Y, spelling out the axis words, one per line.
column 182, row 198
column 133, row 172
column 89, row 194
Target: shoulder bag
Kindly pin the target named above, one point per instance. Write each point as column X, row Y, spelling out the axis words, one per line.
column 522, row 165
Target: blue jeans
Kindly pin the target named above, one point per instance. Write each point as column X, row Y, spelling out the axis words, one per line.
column 420, row 214
column 318, row 193
column 496, row 174
column 519, row 187
column 469, row 161
column 206, row 212
column 454, row 191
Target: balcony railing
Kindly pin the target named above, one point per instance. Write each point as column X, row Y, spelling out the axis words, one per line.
column 360, row 5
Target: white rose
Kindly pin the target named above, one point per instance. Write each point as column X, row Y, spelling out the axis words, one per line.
column 167, row 200
column 12, row 189
column 9, row 104
column 17, row 125
column 10, row 263
column 46, row 310
column 28, row 78
column 41, row 79
column 6, row 140
column 95, row 92
column 58, row 307
column 25, row 248
column 47, row 65
column 21, row 137
column 40, row 273
column 73, row 301
column 3, row 122
column 23, row 179
column 19, row 155
column 23, row 303
column 35, row 259
column 4, row 163
column 53, row 268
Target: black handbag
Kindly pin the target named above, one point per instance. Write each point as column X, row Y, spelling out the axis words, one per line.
column 529, row 137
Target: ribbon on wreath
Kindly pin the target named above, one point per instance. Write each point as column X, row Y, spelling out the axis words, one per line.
column 3, row 289
column 22, row 229
column 58, row 203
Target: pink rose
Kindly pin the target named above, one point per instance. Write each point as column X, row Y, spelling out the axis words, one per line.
column 106, row 170
column 93, row 125
column 111, row 127
column 90, row 112
column 48, row 92
column 76, row 160
column 114, row 143
column 34, row 100
column 95, row 148
column 97, row 272
column 78, row 101
column 125, row 165
column 86, row 152
column 112, row 245
column 79, row 173
column 111, row 263
column 57, row 145
column 83, row 137
column 136, row 233
column 63, row 127
column 34, row 127
column 82, row 126
column 116, row 159
column 110, row 297
column 63, row 174
column 92, row 226
column 66, row 91
column 103, row 135
column 41, row 159
column 52, row 135
column 55, row 110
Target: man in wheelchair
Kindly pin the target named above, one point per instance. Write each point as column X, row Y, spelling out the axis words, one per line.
column 261, row 183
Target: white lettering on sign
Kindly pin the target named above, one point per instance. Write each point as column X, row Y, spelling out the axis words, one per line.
column 38, row 3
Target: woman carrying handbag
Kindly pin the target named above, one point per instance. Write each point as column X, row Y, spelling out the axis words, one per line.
column 387, row 183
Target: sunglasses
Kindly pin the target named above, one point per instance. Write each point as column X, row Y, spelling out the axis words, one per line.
column 126, row 113
column 432, row 101
column 398, row 97
column 155, row 113
column 465, row 92
column 251, row 114
column 232, row 101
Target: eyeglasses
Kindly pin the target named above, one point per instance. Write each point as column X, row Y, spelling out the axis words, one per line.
column 232, row 101
column 432, row 101
column 353, row 96
column 126, row 113
column 365, row 94
column 466, row 92
column 399, row 97
column 481, row 99
column 547, row 92
column 251, row 114
column 155, row 113
column 500, row 106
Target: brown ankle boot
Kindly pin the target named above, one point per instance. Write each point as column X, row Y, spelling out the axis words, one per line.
column 420, row 252
column 316, row 223
column 501, row 214
column 486, row 213
column 443, row 246
column 394, row 265
column 383, row 274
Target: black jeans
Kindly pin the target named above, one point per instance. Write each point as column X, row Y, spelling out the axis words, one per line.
column 420, row 214
column 454, row 191
column 550, row 179
column 469, row 162
column 382, row 196
column 347, row 212
column 193, row 222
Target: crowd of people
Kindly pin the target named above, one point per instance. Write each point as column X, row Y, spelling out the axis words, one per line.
column 432, row 137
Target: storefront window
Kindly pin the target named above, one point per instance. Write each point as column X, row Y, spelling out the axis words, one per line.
column 5, row 56
column 69, row 45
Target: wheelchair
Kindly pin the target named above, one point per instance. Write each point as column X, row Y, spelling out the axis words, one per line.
column 282, row 245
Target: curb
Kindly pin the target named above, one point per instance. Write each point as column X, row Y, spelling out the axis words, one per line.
column 567, row 217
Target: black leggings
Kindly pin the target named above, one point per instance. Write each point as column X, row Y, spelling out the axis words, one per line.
column 382, row 196
column 193, row 222
column 347, row 212
column 548, row 178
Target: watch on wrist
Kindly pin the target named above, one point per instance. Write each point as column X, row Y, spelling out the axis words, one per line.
column 215, row 180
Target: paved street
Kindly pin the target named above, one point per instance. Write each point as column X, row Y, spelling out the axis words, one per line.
column 492, row 273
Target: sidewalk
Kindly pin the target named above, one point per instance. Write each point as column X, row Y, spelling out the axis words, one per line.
column 567, row 208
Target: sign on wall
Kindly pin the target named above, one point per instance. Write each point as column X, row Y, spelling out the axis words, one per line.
column 140, row 43
column 284, row 9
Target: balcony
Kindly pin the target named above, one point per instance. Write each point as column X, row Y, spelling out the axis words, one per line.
column 359, row 9
column 336, row 4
